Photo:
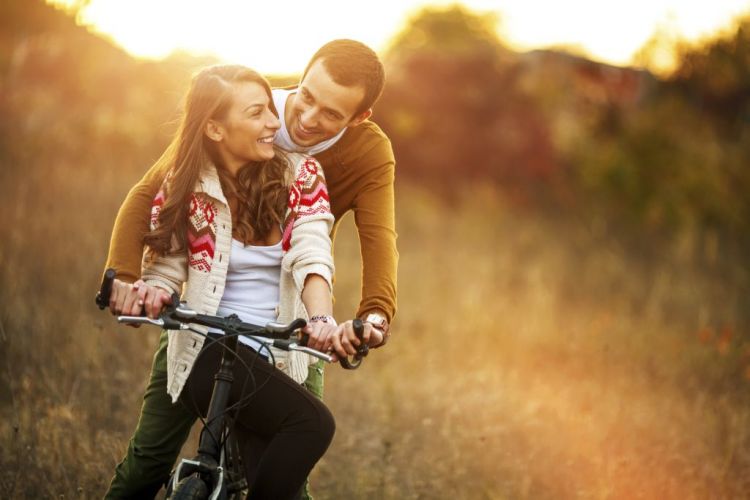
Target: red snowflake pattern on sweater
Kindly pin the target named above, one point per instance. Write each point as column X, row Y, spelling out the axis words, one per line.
column 201, row 232
column 308, row 195
column 201, row 228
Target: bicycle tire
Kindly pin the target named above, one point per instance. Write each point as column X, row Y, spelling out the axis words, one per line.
column 190, row 488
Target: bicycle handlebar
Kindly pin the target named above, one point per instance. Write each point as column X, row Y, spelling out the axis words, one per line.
column 279, row 335
column 282, row 336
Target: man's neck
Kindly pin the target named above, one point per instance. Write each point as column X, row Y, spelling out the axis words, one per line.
column 288, row 112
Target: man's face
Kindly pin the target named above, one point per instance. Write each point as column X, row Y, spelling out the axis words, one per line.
column 321, row 108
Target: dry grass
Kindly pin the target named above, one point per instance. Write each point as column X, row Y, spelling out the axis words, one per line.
column 529, row 360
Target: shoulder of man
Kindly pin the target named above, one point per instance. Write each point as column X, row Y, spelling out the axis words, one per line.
column 366, row 143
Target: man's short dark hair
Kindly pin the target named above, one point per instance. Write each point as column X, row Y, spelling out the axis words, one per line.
column 351, row 63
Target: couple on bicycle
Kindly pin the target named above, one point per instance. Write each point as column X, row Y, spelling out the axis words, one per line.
column 237, row 216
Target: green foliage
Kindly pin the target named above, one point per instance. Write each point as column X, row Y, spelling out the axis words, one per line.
column 678, row 159
column 652, row 156
column 716, row 78
column 453, row 30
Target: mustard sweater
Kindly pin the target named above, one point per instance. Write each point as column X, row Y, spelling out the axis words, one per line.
column 359, row 171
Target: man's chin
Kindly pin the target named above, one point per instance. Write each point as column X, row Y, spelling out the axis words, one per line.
column 305, row 143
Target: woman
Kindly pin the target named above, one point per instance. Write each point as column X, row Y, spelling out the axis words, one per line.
column 241, row 228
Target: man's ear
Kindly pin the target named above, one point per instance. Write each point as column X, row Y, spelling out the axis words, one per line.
column 214, row 131
column 364, row 115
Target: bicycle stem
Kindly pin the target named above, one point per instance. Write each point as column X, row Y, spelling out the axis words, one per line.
column 210, row 440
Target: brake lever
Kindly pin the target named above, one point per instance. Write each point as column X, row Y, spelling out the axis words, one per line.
column 312, row 352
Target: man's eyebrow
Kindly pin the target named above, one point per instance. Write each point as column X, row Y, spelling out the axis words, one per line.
column 334, row 111
column 331, row 110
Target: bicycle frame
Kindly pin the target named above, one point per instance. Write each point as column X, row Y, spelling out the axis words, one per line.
column 210, row 462
column 213, row 434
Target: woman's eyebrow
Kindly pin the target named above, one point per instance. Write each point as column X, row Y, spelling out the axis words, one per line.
column 254, row 105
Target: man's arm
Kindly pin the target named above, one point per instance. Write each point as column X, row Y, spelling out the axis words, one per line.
column 374, row 215
column 131, row 225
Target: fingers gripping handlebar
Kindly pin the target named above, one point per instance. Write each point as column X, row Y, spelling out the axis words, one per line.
column 102, row 297
column 178, row 316
column 362, row 350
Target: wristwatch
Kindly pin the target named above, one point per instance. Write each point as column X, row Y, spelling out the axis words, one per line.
column 379, row 322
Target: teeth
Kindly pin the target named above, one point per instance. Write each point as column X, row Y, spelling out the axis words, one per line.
column 266, row 140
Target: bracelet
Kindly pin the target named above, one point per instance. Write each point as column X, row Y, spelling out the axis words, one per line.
column 324, row 318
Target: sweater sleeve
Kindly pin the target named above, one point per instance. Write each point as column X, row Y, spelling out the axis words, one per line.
column 168, row 271
column 308, row 232
column 131, row 225
column 165, row 271
column 374, row 216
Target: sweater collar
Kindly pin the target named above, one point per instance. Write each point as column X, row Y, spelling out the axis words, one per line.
column 209, row 183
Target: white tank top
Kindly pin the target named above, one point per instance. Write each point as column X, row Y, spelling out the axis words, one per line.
column 252, row 285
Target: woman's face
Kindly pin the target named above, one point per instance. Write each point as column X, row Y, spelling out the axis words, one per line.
column 246, row 132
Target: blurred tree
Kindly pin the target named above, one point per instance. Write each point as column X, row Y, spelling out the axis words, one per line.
column 453, row 105
column 716, row 77
column 69, row 95
column 678, row 160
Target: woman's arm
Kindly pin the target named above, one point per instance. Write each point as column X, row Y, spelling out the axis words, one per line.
column 162, row 275
column 317, row 296
column 308, row 254
column 318, row 301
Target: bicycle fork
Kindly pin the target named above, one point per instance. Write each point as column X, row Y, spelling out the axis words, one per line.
column 209, row 447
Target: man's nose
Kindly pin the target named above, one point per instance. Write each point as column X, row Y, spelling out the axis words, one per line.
column 309, row 118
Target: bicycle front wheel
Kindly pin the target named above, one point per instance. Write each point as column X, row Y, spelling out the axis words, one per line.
column 190, row 488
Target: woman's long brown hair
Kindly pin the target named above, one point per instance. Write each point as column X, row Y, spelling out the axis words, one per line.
column 259, row 188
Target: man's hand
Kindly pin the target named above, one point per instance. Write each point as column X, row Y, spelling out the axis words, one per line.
column 345, row 341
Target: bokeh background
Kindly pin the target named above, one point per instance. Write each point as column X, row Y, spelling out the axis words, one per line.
column 574, row 317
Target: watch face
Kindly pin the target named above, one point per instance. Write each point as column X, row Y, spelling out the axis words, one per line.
column 376, row 320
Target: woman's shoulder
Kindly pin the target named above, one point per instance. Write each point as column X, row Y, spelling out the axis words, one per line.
column 306, row 168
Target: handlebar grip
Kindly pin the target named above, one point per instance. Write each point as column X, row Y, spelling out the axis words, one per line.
column 359, row 328
column 102, row 296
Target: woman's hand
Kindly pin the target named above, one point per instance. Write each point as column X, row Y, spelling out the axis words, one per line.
column 125, row 298
column 319, row 333
column 130, row 299
column 154, row 299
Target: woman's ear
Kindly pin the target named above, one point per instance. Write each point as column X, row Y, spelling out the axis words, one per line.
column 214, row 131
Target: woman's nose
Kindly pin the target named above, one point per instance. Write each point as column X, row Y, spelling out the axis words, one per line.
column 273, row 122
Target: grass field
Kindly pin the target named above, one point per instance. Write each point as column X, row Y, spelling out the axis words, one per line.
column 531, row 357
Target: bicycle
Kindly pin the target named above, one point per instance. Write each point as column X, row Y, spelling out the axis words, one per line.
column 216, row 472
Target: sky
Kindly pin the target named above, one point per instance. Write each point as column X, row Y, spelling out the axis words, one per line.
column 279, row 36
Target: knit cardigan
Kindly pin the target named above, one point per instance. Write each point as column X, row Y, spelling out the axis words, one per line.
column 200, row 270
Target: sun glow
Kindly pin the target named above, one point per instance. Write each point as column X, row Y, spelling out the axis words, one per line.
column 279, row 36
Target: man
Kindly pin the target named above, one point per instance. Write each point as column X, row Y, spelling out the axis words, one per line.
column 325, row 116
